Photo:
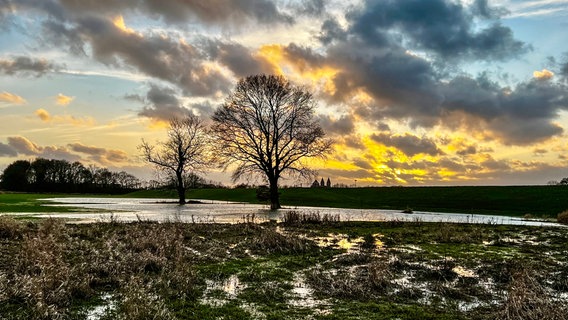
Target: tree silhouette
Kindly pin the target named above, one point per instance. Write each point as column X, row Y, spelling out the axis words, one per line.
column 267, row 126
column 184, row 150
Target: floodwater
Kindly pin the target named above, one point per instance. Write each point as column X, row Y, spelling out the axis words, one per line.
column 132, row 209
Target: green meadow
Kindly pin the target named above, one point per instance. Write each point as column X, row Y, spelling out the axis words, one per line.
column 538, row 201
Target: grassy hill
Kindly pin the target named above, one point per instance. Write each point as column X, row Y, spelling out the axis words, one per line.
column 501, row 200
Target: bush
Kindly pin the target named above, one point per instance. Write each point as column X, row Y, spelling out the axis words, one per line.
column 563, row 217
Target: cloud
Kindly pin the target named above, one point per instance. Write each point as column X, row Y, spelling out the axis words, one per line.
column 162, row 104
column 543, row 75
column 45, row 116
column 63, row 100
column 238, row 58
column 98, row 154
column 22, row 65
column 24, row 146
column 410, row 144
column 442, row 27
column 19, row 145
column 10, row 98
column 342, row 125
column 227, row 13
column 7, row 150
column 156, row 54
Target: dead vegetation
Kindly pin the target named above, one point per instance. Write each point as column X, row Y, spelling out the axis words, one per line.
column 141, row 270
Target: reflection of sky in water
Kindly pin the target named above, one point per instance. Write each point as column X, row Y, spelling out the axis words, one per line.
column 131, row 209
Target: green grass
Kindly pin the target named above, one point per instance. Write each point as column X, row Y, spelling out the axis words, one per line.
column 14, row 202
column 30, row 202
column 539, row 201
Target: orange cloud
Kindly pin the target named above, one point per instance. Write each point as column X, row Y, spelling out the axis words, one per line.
column 63, row 100
column 543, row 75
column 45, row 116
column 11, row 98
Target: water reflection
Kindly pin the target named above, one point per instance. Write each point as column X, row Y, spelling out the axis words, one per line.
column 132, row 209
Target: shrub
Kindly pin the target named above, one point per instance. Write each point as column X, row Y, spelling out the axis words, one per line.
column 563, row 217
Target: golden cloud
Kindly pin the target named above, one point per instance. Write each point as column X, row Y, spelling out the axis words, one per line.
column 63, row 100
column 119, row 23
column 543, row 75
column 11, row 98
column 45, row 116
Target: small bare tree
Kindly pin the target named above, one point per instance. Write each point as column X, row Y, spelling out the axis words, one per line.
column 183, row 151
column 267, row 126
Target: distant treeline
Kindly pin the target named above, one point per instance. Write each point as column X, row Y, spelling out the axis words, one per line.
column 50, row 175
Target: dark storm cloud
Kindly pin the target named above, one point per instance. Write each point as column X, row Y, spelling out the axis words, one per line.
column 7, row 150
column 331, row 30
column 443, row 27
column 238, row 58
column 373, row 56
column 156, row 54
column 520, row 116
column 22, row 65
column 392, row 76
column 409, row 144
column 163, row 104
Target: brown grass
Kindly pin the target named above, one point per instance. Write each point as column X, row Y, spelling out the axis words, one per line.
column 528, row 299
column 562, row 217
column 295, row 217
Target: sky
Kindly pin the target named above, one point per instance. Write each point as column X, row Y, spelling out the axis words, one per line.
column 413, row 92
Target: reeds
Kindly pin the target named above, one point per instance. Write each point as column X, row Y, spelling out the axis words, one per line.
column 295, row 217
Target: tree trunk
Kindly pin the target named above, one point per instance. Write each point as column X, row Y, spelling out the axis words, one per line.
column 180, row 188
column 274, row 196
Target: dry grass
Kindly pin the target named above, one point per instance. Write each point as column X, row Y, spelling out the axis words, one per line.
column 296, row 217
column 562, row 217
column 528, row 299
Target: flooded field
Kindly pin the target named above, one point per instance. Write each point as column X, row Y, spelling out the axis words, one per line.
column 132, row 209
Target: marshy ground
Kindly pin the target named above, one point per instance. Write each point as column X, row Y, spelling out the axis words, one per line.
column 299, row 269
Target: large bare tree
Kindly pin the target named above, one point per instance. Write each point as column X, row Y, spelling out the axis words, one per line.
column 185, row 150
column 267, row 126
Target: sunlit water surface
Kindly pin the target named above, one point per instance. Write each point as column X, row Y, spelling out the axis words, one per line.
column 132, row 209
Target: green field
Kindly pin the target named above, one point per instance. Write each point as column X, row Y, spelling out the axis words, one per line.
column 540, row 201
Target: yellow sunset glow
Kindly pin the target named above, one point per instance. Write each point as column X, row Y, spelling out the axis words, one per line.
column 119, row 23
column 543, row 75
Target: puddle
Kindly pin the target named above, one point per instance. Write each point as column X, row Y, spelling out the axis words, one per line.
column 208, row 211
column 231, row 288
column 463, row 272
column 343, row 241
column 100, row 311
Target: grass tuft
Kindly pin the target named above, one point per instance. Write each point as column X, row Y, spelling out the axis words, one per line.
column 295, row 217
column 562, row 217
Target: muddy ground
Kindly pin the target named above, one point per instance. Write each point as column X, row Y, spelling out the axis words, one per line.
column 301, row 269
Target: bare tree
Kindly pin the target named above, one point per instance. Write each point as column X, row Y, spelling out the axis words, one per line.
column 267, row 126
column 183, row 151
